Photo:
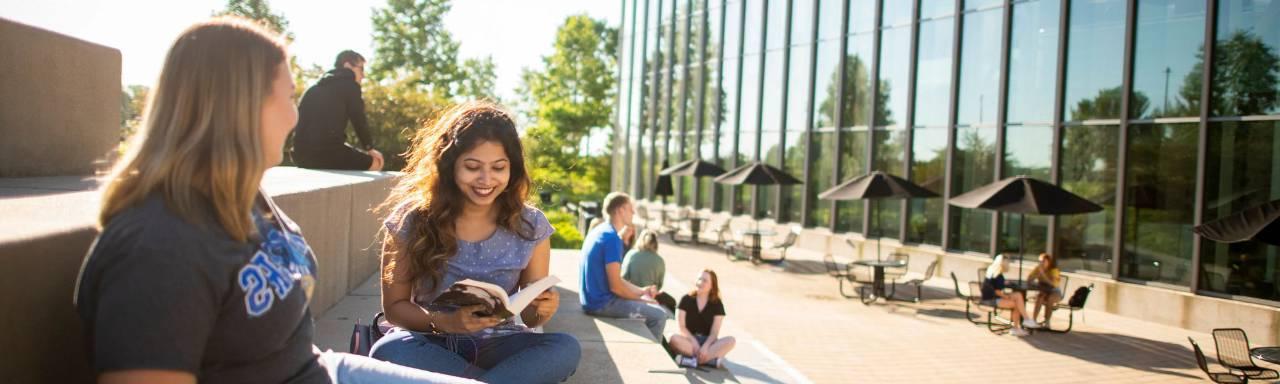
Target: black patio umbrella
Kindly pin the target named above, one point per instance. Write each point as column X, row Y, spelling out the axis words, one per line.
column 1258, row 223
column 876, row 185
column 695, row 168
column 662, row 187
column 757, row 173
column 1023, row 195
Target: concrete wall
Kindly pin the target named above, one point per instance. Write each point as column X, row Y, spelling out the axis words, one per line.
column 49, row 225
column 1149, row 303
column 59, row 103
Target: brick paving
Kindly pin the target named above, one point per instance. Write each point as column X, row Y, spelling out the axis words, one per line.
column 796, row 312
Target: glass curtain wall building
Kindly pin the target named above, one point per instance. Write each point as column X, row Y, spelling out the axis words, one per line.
column 1164, row 112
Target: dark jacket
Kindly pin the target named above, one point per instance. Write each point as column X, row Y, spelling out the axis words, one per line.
column 325, row 109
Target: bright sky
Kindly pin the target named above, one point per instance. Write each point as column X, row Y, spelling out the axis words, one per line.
column 517, row 33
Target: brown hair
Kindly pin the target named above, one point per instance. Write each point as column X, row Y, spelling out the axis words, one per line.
column 431, row 199
column 613, row 201
column 714, row 295
column 1053, row 261
column 201, row 137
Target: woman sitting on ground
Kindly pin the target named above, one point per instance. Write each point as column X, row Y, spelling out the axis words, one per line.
column 1047, row 278
column 460, row 213
column 993, row 295
column 643, row 267
column 701, row 315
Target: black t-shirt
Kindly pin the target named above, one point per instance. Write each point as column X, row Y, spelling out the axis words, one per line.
column 158, row 292
column 990, row 286
column 700, row 322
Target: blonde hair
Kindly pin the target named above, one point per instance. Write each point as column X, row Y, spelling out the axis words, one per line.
column 997, row 267
column 649, row 241
column 201, row 137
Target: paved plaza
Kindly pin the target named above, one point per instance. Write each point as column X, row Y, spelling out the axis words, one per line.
column 793, row 326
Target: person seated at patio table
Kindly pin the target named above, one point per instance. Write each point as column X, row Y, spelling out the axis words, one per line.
column 604, row 292
column 993, row 295
column 700, row 317
column 1046, row 278
column 644, row 267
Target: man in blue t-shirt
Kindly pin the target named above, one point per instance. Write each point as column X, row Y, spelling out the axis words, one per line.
column 604, row 292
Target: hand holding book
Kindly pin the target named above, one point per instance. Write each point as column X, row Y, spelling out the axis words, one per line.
column 469, row 304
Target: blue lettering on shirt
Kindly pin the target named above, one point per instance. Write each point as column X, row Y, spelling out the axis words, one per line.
column 278, row 265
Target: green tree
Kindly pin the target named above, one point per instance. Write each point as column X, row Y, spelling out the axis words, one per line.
column 568, row 100
column 411, row 43
column 133, row 103
column 478, row 79
column 259, row 10
column 1244, row 80
column 395, row 110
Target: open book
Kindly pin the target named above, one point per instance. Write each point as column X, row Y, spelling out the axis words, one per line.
column 471, row 292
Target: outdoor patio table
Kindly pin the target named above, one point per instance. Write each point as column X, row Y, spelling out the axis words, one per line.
column 877, row 280
column 695, row 226
column 1267, row 354
column 755, row 235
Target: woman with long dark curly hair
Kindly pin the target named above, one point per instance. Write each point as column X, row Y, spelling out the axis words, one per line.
column 459, row 213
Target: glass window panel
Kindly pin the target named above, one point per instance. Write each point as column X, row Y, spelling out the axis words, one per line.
column 933, row 72
column 725, row 157
column 862, row 15
column 928, row 169
column 857, row 86
column 798, row 88
column 853, row 163
column 895, row 53
column 821, row 177
column 728, row 93
column 1160, row 187
column 896, row 13
column 754, row 26
column 801, row 22
column 776, row 27
column 1027, row 152
column 732, row 30
column 1095, row 58
column 979, row 4
column 686, row 183
column 748, row 120
column 713, row 96
column 1242, row 170
column 711, row 29
column 1246, row 61
column 1088, row 167
column 771, row 119
column 825, row 84
column 980, row 67
column 975, row 161
column 1033, row 61
column 890, row 153
column 829, row 18
column 793, row 164
column 937, row 8
column 771, row 153
column 1166, row 65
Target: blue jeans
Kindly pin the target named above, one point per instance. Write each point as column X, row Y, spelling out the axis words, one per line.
column 516, row 358
column 654, row 316
column 345, row 368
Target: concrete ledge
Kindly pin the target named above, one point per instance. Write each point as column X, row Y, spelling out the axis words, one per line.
column 50, row 223
column 60, row 104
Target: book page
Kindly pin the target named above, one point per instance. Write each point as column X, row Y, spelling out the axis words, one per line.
column 525, row 296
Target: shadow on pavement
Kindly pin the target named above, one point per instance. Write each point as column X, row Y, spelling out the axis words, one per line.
column 1119, row 350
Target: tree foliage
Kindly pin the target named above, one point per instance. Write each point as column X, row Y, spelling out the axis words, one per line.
column 568, row 100
column 260, row 11
column 412, row 44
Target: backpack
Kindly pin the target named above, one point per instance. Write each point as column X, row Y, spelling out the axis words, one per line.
column 1081, row 294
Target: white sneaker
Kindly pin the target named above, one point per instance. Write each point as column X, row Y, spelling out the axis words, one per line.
column 1028, row 323
column 1019, row 332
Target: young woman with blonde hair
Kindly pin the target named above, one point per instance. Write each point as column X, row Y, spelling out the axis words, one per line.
column 993, row 294
column 197, row 275
column 458, row 213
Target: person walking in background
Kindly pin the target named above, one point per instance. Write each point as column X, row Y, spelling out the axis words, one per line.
column 1046, row 276
column 459, row 213
column 993, row 295
column 644, row 267
column 701, row 316
column 320, row 138
column 604, row 292
column 197, row 275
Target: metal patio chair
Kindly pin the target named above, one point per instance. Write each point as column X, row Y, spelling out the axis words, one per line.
column 1233, row 353
column 1217, row 377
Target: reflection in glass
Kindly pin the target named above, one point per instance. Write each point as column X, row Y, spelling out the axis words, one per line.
column 853, row 163
column 1027, row 152
column 980, row 67
column 772, row 92
column 771, row 153
column 1242, row 170
column 793, row 163
column 1033, row 61
column 974, row 166
column 890, row 153
column 1094, row 60
column 1088, row 166
column 1159, row 201
column 821, row 177
column 979, row 4
column 747, row 123
column 1167, row 56
column 1246, row 61
column 933, row 73
column 857, row 88
column 895, row 53
column 928, row 169
column 825, row 83
column 862, row 15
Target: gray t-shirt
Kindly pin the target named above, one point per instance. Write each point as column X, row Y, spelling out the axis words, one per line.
column 498, row 260
column 644, row 268
column 158, row 292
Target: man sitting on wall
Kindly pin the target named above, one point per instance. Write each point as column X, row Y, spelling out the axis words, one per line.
column 320, row 138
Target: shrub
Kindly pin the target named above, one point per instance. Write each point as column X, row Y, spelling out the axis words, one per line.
column 567, row 235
